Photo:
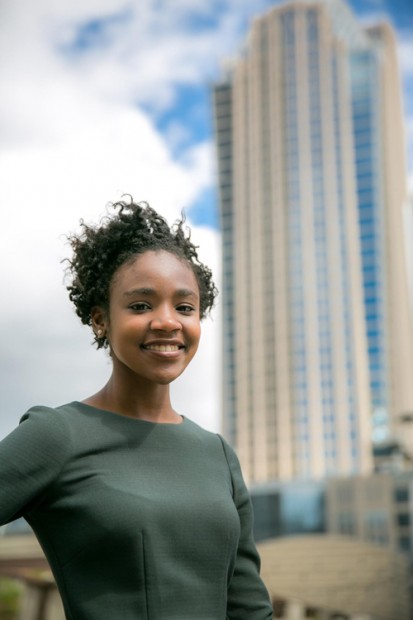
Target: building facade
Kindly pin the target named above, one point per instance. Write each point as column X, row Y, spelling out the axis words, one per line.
column 377, row 509
column 317, row 335
column 335, row 577
column 289, row 508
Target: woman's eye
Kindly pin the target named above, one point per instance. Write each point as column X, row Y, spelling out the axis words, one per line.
column 185, row 308
column 140, row 306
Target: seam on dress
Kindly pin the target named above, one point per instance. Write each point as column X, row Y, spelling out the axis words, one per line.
column 228, row 465
column 33, row 520
column 69, row 452
column 145, row 574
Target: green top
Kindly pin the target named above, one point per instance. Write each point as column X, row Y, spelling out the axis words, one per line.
column 138, row 520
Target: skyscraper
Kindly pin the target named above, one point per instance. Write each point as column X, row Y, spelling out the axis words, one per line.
column 318, row 341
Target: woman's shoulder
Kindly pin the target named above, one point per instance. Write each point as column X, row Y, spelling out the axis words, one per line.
column 53, row 424
column 45, row 423
column 42, row 414
column 200, row 431
column 58, row 416
column 52, row 416
column 211, row 438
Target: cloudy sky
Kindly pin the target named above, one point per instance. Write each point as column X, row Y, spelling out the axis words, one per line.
column 99, row 98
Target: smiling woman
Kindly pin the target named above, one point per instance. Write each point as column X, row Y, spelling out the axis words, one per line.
column 141, row 513
column 153, row 326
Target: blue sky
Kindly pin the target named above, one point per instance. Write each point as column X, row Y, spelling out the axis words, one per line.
column 101, row 98
column 186, row 119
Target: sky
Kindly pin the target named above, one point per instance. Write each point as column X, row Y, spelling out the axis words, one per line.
column 101, row 98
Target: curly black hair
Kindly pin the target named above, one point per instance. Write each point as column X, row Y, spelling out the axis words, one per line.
column 133, row 228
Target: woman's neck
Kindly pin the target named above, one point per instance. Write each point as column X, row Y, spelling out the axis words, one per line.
column 151, row 403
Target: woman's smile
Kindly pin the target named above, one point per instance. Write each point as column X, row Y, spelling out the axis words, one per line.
column 163, row 347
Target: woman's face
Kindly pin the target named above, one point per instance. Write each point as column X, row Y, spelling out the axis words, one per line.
column 153, row 325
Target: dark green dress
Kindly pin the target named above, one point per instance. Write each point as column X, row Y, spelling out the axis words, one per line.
column 138, row 520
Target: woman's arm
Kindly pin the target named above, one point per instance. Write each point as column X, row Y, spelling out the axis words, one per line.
column 247, row 595
column 31, row 457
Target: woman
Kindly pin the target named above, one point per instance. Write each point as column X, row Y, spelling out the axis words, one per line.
column 141, row 513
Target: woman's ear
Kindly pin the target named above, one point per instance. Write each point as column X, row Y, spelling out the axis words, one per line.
column 99, row 321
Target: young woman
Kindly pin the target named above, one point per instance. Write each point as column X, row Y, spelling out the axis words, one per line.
column 142, row 514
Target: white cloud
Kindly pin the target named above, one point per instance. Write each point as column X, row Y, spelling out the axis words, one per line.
column 405, row 54
column 409, row 135
column 148, row 46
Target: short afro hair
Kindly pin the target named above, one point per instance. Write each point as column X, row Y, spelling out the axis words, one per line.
column 132, row 229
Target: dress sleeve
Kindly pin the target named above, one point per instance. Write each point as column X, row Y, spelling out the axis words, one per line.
column 31, row 458
column 248, row 598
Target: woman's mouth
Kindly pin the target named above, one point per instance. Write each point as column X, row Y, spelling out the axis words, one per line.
column 163, row 348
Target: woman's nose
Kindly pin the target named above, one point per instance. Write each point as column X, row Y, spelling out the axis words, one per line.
column 165, row 321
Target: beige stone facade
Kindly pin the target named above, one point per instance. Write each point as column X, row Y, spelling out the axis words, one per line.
column 335, row 575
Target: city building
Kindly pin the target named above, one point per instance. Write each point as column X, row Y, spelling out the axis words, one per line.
column 317, row 334
column 374, row 513
column 376, row 509
column 289, row 508
column 334, row 577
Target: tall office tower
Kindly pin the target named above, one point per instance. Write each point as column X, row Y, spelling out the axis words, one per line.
column 317, row 336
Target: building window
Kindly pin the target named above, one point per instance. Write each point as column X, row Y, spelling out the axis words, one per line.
column 401, row 495
column 403, row 519
column 346, row 524
column 404, row 543
column 376, row 524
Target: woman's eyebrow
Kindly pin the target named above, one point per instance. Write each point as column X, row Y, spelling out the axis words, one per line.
column 139, row 291
column 186, row 292
column 183, row 292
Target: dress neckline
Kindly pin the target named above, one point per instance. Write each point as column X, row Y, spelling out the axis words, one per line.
column 114, row 414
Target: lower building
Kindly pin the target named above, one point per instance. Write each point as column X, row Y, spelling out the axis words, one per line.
column 373, row 511
column 326, row 577
column 376, row 509
column 288, row 508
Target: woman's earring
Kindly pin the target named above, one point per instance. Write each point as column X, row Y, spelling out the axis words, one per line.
column 99, row 333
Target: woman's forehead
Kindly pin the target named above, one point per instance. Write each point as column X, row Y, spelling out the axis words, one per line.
column 155, row 267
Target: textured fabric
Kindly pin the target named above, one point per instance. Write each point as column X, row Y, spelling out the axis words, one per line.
column 139, row 521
